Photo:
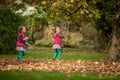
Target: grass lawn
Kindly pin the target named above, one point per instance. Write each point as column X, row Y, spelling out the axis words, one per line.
column 47, row 53
column 39, row 75
column 64, row 56
column 68, row 54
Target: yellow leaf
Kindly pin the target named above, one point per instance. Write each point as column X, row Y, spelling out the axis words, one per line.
column 54, row 4
column 57, row 13
column 72, row 1
column 44, row 2
column 82, row 12
column 90, row 15
column 97, row 16
column 85, row 5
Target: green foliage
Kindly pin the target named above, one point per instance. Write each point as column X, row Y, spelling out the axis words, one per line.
column 107, row 11
column 43, row 43
column 73, row 11
column 47, row 40
column 9, row 23
column 71, row 44
column 105, row 22
column 72, row 39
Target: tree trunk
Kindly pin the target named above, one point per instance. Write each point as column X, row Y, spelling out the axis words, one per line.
column 114, row 51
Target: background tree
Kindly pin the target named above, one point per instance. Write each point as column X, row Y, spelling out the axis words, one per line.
column 9, row 23
column 115, row 39
column 108, row 25
column 103, row 13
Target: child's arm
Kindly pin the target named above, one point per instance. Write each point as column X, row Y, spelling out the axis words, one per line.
column 29, row 46
column 60, row 36
column 21, row 39
column 26, row 38
column 26, row 43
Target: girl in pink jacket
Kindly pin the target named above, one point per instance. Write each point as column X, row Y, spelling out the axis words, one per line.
column 21, row 41
column 57, row 43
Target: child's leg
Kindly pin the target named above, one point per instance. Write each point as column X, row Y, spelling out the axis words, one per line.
column 20, row 56
column 24, row 53
column 59, row 54
column 55, row 54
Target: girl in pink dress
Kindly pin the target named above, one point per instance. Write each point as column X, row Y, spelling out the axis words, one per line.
column 57, row 43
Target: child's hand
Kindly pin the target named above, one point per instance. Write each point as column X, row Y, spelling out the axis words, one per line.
column 30, row 47
column 26, row 38
column 27, row 43
column 64, row 40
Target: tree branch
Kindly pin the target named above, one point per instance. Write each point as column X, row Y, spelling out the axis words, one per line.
column 76, row 10
column 69, row 13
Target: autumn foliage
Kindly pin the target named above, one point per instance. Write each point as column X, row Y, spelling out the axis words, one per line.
column 66, row 66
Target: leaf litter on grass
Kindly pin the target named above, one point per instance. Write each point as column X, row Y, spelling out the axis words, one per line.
column 66, row 66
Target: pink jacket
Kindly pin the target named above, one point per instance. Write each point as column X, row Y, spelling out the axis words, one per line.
column 57, row 40
column 19, row 43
